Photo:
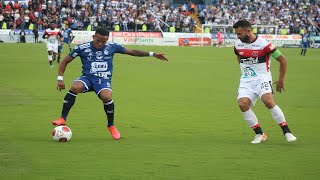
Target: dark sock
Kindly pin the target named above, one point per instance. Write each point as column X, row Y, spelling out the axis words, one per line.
column 58, row 58
column 285, row 128
column 258, row 130
column 109, row 109
column 304, row 53
column 50, row 62
column 68, row 102
column 301, row 51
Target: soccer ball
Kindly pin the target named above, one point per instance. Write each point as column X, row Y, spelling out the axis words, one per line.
column 61, row 133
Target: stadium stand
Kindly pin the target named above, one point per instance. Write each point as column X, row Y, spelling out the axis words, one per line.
column 154, row 15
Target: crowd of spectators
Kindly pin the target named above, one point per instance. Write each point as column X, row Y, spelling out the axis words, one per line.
column 290, row 16
column 154, row 15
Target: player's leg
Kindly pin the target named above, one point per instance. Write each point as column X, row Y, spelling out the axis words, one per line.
column 59, row 53
column 104, row 92
column 55, row 52
column 246, row 100
column 305, row 50
column 82, row 84
column 69, row 44
column 50, row 54
column 220, row 43
column 266, row 95
column 54, row 56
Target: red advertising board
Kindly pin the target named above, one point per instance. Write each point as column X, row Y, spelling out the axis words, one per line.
column 137, row 34
column 194, row 41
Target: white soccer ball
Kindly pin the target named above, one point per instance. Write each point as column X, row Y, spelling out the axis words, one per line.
column 61, row 133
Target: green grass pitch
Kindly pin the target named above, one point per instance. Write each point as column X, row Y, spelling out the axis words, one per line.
column 178, row 119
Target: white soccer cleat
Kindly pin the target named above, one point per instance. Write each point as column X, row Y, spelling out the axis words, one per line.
column 290, row 137
column 259, row 138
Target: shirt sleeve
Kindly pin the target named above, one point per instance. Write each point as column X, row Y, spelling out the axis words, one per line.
column 119, row 48
column 270, row 48
column 235, row 51
column 75, row 52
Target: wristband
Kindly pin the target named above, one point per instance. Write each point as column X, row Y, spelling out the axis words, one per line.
column 151, row 53
column 60, row 78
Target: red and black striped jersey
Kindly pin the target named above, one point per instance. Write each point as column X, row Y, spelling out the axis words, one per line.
column 254, row 58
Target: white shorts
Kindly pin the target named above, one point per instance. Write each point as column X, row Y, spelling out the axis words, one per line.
column 52, row 47
column 254, row 89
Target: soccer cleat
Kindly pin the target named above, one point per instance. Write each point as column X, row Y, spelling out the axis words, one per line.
column 290, row 137
column 59, row 122
column 51, row 66
column 259, row 138
column 114, row 132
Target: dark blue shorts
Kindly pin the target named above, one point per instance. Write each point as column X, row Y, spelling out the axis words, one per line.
column 95, row 84
column 305, row 45
column 67, row 41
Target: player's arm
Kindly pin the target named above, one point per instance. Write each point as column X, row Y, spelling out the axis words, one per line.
column 144, row 53
column 61, row 37
column 62, row 69
column 283, row 67
column 236, row 53
column 239, row 58
column 44, row 36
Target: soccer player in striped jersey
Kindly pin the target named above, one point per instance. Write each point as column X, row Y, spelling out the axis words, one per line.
column 53, row 36
column 254, row 56
column 97, row 71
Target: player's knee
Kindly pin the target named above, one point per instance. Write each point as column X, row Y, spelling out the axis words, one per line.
column 105, row 95
column 76, row 88
column 105, row 98
column 244, row 105
column 269, row 102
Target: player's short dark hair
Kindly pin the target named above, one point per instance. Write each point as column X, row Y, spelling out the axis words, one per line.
column 242, row 24
column 102, row 31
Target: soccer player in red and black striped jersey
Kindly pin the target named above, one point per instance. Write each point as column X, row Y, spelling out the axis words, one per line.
column 254, row 56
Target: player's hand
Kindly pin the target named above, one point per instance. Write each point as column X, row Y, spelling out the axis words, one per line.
column 279, row 85
column 60, row 85
column 160, row 56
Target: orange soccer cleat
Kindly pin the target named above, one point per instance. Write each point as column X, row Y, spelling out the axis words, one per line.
column 59, row 122
column 114, row 132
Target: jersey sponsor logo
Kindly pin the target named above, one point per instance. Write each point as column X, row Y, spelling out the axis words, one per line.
column 102, row 74
column 249, row 72
column 99, row 66
column 255, row 53
column 252, row 60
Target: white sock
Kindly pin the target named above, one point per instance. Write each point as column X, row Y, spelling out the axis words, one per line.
column 277, row 115
column 250, row 117
column 50, row 57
